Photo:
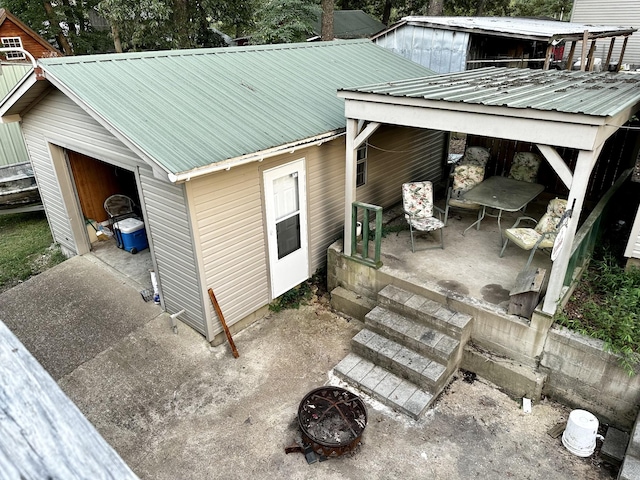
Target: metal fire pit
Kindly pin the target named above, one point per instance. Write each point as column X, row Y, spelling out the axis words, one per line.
column 332, row 420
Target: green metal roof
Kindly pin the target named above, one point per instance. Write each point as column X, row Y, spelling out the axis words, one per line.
column 597, row 94
column 10, row 75
column 187, row 109
column 352, row 24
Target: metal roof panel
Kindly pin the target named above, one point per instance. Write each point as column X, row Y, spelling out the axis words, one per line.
column 191, row 108
column 596, row 94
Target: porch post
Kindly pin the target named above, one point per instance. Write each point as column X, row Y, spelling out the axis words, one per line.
column 584, row 166
column 349, row 181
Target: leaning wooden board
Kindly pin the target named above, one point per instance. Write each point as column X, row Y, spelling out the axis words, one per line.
column 42, row 432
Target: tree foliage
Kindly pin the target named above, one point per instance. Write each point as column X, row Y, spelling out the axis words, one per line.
column 285, row 21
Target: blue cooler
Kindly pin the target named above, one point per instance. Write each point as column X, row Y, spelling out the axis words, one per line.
column 131, row 235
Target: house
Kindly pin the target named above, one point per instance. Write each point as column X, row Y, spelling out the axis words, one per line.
column 240, row 177
column 455, row 44
column 612, row 12
column 15, row 34
column 350, row 24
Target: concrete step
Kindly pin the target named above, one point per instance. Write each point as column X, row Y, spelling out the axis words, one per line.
column 400, row 360
column 351, row 303
column 413, row 334
column 434, row 314
column 395, row 392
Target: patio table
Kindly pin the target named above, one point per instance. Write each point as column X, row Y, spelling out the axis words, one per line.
column 503, row 194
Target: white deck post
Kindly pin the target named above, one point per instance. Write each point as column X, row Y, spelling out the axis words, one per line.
column 349, row 181
column 581, row 175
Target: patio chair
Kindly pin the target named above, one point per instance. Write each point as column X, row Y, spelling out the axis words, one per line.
column 417, row 202
column 525, row 167
column 543, row 235
column 465, row 177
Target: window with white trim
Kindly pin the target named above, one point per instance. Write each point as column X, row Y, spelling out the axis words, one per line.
column 361, row 166
column 12, row 42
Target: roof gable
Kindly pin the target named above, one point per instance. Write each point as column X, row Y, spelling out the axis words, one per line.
column 8, row 25
column 187, row 109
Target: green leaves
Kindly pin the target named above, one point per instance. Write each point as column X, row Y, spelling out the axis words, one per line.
column 285, row 21
column 605, row 305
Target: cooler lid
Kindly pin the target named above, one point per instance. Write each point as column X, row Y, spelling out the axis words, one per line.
column 129, row 225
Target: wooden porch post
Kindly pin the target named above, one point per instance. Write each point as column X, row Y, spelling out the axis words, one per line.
column 349, row 181
column 572, row 51
column 622, row 50
column 608, row 60
column 582, row 173
column 583, row 54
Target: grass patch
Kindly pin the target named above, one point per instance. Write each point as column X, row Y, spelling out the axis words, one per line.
column 25, row 248
column 606, row 306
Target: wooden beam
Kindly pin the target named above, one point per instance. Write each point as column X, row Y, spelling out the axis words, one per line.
column 547, row 57
column 608, row 60
column 582, row 174
column 557, row 163
column 583, row 54
column 592, row 51
column 365, row 134
column 42, row 433
column 350, row 181
column 624, row 47
column 572, row 51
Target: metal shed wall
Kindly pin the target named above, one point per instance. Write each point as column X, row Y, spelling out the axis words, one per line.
column 633, row 247
column 56, row 119
column 610, row 12
column 443, row 51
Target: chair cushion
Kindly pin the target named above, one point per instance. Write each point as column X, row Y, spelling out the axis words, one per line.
column 465, row 177
column 525, row 167
column 426, row 224
column 417, row 199
column 462, row 203
column 478, row 156
column 525, row 238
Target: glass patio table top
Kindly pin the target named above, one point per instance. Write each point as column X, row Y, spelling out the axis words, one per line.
column 502, row 194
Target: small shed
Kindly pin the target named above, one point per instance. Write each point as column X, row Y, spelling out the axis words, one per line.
column 235, row 156
column 455, row 44
column 15, row 34
column 612, row 12
column 350, row 24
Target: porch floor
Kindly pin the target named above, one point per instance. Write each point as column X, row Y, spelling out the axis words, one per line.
column 470, row 264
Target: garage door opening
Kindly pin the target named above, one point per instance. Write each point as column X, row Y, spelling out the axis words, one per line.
column 126, row 250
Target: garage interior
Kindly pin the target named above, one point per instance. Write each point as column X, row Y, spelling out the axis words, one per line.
column 95, row 181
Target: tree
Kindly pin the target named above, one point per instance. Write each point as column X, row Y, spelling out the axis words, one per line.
column 285, row 21
column 498, row 8
column 436, row 7
column 559, row 9
column 327, row 20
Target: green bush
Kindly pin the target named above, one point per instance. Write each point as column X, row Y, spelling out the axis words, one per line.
column 606, row 305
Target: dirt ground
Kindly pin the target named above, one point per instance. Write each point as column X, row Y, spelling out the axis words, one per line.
column 173, row 407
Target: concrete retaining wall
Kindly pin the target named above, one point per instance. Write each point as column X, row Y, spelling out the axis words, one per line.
column 569, row 367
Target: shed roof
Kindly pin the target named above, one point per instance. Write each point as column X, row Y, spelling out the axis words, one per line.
column 351, row 24
column 526, row 28
column 594, row 94
column 187, row 109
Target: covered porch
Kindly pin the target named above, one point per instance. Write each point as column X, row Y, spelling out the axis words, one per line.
column 554, row 111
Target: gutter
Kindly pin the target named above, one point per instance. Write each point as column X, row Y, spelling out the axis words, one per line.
column 256, row 156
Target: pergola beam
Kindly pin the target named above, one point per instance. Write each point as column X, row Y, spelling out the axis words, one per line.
column 557, row 163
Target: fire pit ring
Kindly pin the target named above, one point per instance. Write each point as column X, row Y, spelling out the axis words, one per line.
column 332, row 420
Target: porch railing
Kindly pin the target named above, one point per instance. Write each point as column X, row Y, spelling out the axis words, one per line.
column 591, row 230
column 360, row 252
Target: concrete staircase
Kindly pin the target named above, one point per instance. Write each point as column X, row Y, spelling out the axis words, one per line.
column 408, row 351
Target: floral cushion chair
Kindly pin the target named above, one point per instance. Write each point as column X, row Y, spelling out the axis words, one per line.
column 525, row 167
column 465, row 177
column 478, row 156
column 417, row 201
column 543, row 235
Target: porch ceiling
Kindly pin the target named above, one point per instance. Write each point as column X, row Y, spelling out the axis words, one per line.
column 569, row 109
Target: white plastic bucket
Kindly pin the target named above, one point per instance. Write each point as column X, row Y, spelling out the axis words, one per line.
column 580, row 435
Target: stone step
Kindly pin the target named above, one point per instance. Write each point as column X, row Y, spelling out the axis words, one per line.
column 386, row 387
column 350, row 303
column 434, row 314
column 414, row 335
column 400, row 360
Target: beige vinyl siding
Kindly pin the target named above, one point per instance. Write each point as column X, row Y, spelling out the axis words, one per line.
column 625, row 13
column 398, row 155
column 227, row 208
column 169, row 232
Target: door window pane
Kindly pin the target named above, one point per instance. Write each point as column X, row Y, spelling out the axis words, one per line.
column 288, row 234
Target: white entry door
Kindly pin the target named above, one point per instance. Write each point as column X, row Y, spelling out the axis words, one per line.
column 286, row 211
